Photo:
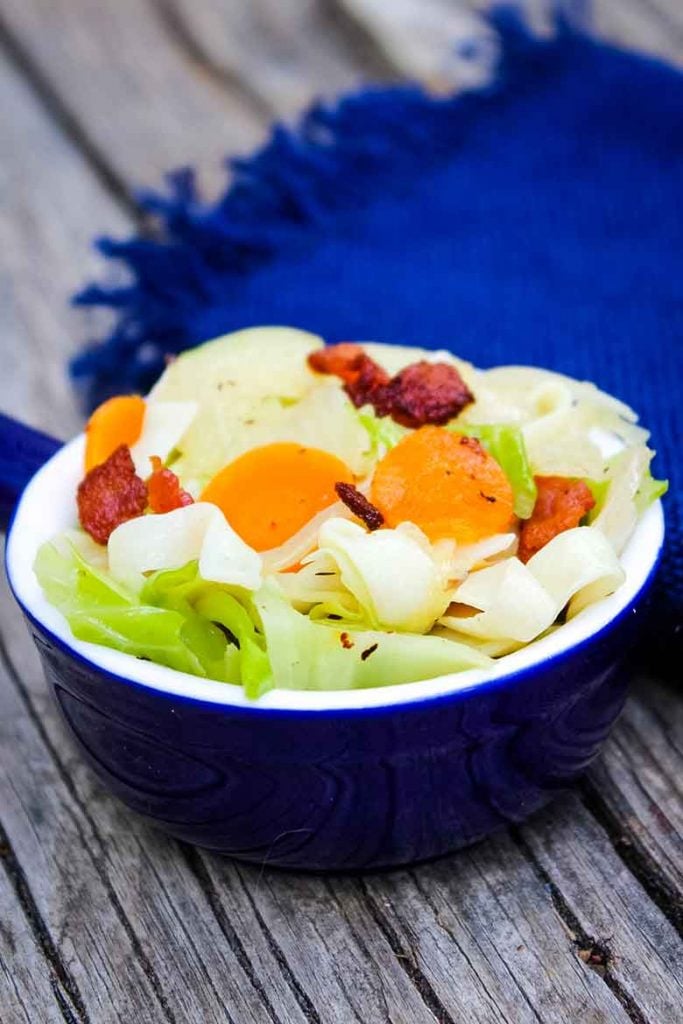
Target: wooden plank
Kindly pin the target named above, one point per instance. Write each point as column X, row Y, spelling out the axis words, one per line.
column 654, row 27
column 636, row 790
column 288, row 53
column 324, row 941
column 56, row 207
column 606, row 907
column 423, row 38
column 29, row 983
column 51, row 843
column 482, row 928
column 134, row 97
column 123, row 902
column 443, row 44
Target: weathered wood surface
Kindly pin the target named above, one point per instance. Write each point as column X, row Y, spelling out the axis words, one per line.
column 577, row 915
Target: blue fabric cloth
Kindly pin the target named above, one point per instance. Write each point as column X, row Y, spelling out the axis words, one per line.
column 537, row 221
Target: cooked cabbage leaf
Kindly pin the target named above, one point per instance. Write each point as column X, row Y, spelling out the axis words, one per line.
column 172, row 622
column 308, row 655
column 506, row 444
column 649, row 491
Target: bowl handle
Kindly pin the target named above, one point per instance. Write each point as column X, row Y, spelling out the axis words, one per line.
column 23, row 451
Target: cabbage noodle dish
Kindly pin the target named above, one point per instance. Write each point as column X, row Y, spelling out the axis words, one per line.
column 281, row 513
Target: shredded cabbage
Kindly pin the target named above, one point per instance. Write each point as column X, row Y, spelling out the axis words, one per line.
column 392, row 573
column 383, row 432
column 317, row 590
column 171, row 539
column 304, row 541
column 466, row 557
column 623, row 492
column 163, row 428
column 309, row 655
column 513, row 602
column 160, row 625
column 649, row 491
column 558, row 417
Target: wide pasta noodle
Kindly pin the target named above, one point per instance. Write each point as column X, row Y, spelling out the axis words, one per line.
column 172, row 539
column 574, row 562
column 618, row 515
column 519, row 602
column 393, row 574
column 304, row 541
column 512, row 604
column 558, row 417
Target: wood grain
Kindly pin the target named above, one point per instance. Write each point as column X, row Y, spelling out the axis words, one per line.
column 643, row 952
column 57, row 205
column 53, row 845
column 135, row 98
column 636, row 790
column 27, row 979
column 295, row 48
column 420, row 38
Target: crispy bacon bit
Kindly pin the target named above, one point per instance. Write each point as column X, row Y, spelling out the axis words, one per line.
column 363, row 378
column 343, row 360
column 346, row 641
column 110, row 494
column 163, row 489
column 425, row 393
column 421, row 393
column 359, row 505
column 473, row 443
column 560, row 505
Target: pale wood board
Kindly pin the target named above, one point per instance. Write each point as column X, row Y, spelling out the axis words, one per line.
column 636, row 789
column 101, row 918
column 47, row 227
column 136, row 100
column 27, row 979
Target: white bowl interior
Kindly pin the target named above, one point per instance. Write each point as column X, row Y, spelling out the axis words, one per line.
column 48, row 506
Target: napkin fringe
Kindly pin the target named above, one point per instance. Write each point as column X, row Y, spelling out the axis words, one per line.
column 332, row 162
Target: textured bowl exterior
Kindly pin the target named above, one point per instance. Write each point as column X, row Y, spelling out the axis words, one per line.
column 345, row 789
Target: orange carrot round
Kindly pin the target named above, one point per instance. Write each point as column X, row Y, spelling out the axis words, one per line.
column 269, row 493
column 117, row 421
column 446, row 484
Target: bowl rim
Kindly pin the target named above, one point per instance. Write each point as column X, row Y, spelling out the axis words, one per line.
column 59, row 476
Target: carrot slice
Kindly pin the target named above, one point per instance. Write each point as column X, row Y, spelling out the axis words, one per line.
column 270, row 492
column 446, row 484
column 117, row 421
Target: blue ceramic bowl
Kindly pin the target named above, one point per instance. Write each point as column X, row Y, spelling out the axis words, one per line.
column 334, row 780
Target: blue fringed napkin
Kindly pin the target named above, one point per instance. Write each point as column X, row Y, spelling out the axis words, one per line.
column 536, row 221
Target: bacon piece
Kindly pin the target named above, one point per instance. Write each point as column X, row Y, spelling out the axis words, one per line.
column 110, row 494
column 363, row 378
column 164, row 492
column 420, row 394
column 561, row 504
column 425, row 393
column 343, row 360
column 360, row 506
